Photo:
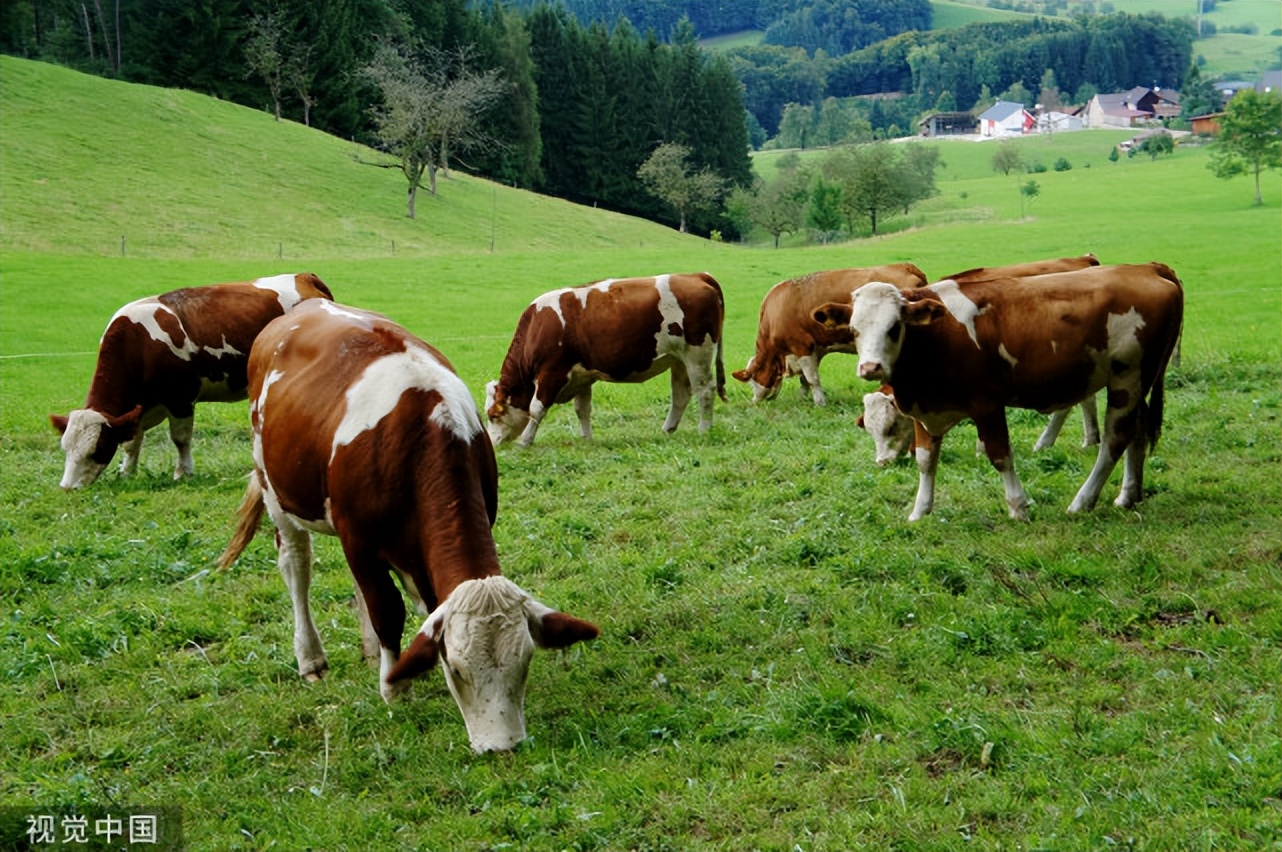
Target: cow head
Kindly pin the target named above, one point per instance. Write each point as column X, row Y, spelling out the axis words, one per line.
column 484, row 635
column 891, row 430
column 90, row 439
column 506, row 420
column 878, row 315
column 764, row 376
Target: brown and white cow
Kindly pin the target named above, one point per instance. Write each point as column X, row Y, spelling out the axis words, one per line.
column 160, row 356
column 616, row 330
column 953, row 351
column 363, row 431
column 892, row 430
column 791, row 343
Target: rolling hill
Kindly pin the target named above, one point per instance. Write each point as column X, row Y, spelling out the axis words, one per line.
column 94, row 166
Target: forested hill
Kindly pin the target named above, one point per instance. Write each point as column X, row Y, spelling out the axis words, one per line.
column 834, row 26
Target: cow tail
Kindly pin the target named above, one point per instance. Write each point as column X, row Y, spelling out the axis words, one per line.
column 721, row 337
column 250, row 514
column 1157, row 396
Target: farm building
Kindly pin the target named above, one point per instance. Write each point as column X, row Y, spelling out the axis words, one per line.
column 1127, row 109
column 1005, row 118
column 948, row 124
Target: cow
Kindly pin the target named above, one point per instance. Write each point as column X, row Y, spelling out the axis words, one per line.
column 616, row 330
column 953, row 351
column 160, row 356
column 791, row 343
column 892, row 431
column 363, row 431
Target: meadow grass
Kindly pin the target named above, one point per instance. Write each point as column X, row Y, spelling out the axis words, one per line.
column 785, row 662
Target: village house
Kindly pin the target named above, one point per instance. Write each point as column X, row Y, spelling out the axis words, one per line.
column 1127, row 109
column 1005, row 118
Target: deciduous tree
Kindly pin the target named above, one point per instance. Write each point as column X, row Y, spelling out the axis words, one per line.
column 1250, row 137
column 667, row 174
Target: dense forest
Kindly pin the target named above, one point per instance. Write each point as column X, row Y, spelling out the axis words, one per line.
column 593, row 87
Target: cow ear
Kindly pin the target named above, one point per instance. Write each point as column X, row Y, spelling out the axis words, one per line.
column 741, row 375
column 923, row 312
column 424, row 650
column 494, row 407
column 59, row 423
column 552, row 629
column 127, row 420
column 832, row 315
column 859, row 421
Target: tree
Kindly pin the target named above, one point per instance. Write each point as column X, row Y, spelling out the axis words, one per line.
column 1007, row 158
column 1198, row 95
column 824, row 213
column 780, row 208
column 1157, row 143
column 1250, row 137
column 667, row 174
column 264, row 53
column 1028, row 190
column 424, row 111
column 875, row 184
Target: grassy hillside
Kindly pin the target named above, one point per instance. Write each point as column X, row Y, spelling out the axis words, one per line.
column 785, row 662
column 88, row 161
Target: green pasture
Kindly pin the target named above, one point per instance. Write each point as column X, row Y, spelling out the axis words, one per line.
column 785, row 663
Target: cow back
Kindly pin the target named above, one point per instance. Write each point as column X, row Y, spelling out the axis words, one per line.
column 361, row 424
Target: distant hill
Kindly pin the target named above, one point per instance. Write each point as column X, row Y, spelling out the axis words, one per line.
column 92, row 166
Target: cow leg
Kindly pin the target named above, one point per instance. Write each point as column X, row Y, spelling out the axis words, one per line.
column 703, row 384
column 583, row 408
column 294, row 559
column 809, row 366
column 1090, row 422
column 369, row 640
column 928, row 447
column 1121, row 428
column 680, row 397
column 1051, row 433
column 386, row 611
column 129, row 459
column 995, row 434
column 537, row 412
column 1136, row 452
column 180, row 432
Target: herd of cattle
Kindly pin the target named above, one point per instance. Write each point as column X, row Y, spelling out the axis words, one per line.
column 363, row 431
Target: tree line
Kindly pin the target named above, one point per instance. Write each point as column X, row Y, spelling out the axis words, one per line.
column 962, row 66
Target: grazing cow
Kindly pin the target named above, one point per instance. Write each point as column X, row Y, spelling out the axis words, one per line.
column 617, row 330
column 363, row 431
column 791, row 343
column 955, row 351
column 892, row 430
column 160, row 356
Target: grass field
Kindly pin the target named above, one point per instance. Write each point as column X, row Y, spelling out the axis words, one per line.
column 785, row 662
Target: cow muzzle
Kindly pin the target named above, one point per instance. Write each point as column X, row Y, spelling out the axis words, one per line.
column 873, row 371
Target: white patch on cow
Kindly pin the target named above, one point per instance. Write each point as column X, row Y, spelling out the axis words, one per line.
column 285, row 287
column 1123, row 335
column 962, row 308
column 552, row 299
column 143, row 312
column 1006, row 356
column 225, row 349
column 79, row 440
column 359, row 317
column 484, row 631
column 376, row 393
column 671, row 314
